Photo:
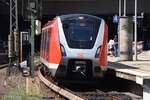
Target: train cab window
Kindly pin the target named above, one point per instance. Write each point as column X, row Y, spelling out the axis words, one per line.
column 81, row 32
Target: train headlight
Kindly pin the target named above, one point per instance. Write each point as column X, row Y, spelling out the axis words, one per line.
column 97, row 52
column 63, row 50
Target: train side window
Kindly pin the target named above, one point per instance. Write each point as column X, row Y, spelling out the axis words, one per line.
column 49, row 35
column 47, row 40
column 42, row 40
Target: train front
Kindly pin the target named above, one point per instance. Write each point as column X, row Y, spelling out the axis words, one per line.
column 83, row 43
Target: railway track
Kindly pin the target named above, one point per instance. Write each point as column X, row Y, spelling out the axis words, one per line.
column 57, row 89
column 100, row 95
column 3, row 66
column 94, row 94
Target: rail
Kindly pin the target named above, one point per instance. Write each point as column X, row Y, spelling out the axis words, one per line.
column 58, row 89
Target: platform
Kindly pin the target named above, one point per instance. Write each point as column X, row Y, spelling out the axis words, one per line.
column 132, row 70
column 138, row 71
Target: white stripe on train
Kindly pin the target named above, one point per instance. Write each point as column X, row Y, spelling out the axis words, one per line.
column 49, row 65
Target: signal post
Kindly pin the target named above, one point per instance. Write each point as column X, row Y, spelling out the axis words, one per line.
column 34, row 12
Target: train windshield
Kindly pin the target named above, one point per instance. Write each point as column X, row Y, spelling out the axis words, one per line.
column 81, row 31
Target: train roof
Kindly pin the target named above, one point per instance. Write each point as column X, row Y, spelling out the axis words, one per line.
column 77, row 15
column 63, row 17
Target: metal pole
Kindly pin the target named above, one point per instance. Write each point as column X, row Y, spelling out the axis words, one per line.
column 124, row 8
column 13, row 39
column 16, row 9
column 10, row 16
column 10, row 40
column 135, row 31
column 119, row 8
column 21, row 47
column 32, row 44
column 16, row 34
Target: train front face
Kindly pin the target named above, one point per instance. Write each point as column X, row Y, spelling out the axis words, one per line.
column 83, row 45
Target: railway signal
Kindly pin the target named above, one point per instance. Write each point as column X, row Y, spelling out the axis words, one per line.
column 32, row 6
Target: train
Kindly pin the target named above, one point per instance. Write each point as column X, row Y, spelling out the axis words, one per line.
column 75, row 45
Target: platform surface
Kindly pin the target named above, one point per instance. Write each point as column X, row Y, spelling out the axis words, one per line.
column 132, row 70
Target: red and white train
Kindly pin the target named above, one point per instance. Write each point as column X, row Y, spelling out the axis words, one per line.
column 75, row 45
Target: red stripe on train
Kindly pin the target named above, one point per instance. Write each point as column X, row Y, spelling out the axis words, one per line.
column 103, row 50
column 54, row 44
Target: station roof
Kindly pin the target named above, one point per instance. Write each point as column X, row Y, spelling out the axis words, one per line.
column 56, row 7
